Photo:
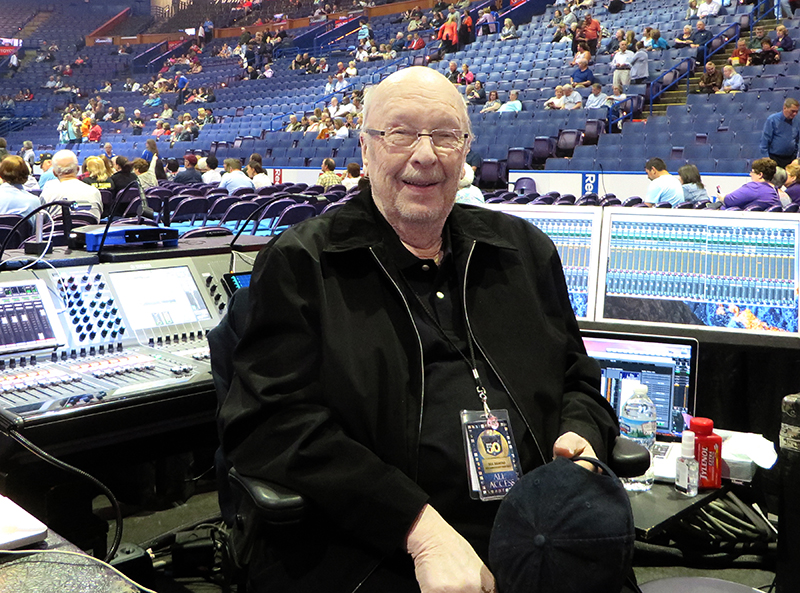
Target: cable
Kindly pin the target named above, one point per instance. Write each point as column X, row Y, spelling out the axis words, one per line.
column 79, row 555
column 66, row 467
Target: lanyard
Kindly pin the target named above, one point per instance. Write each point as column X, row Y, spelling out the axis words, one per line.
column 471, row 361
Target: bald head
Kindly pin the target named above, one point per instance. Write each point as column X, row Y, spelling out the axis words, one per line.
column 65, row 164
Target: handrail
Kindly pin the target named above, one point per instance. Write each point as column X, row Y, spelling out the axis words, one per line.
column 618, row 105
column 655, row 84
column 767, row 6
column 727, row 40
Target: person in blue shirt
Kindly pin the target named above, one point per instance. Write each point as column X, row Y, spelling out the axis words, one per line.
column 582, row 77
column 47, row 170
column 234, row 177
column 513, row 103
column 780, row 138
column 663, row 186
column 657, row 42
column 181, row 83
column 14, row 199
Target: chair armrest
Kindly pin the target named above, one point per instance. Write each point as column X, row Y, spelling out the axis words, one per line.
column 271, row 503
column 629, row 459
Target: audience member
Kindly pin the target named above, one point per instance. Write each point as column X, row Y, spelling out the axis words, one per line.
column 467, row 192
column 13, row 197
column 209, row 169
column 685, row 39
column 792, row 185
column 732, row 81
column 97, row 173
column 352, row 176
column 328, row 177
column 556, row 101
column 693, row 189
column 562, row 35
column 492, row 103
column 708, row 8
column 234, row 178
column 190, row 174
column 621, row 63
column 711, row 80
column 757, row 36
column 663, row 186
column 613, row 43
column 513, row 103
column 581, row 53
column 582, row 76
column 465, row 77
column 145, row 172
column 782, row 41
column 741, row 55
column 780, row 138
column 766, row 56
column 591, row 31
column 639, row 70
column 69, row 187
column 477, row 94
column 572, row 100
column 256, row 173
column 509, row 31
column 598, row 99
column 656, row 41
column 758, row 191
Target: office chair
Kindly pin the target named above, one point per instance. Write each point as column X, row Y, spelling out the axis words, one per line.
column 252, row 507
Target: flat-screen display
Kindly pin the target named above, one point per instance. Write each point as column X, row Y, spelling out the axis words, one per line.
column 159, row 297
column 28, row 319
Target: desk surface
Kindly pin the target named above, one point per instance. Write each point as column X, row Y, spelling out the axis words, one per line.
column 46, row 573
column 654, row 510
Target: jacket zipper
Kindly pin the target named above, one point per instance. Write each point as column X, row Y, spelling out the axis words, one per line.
column 421, row 362
column 488, row 360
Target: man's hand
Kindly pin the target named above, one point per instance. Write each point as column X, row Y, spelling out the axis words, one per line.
column 444, row 562
column 571, row 445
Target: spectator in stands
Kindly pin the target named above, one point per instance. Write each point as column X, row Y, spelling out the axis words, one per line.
column 153, row 100
column 145, row 172
column 732, row 81
column 711, row 80
column 341, row 83
column 792, row 185
column 591, row 32
column 467, row 192
column 701, row 36
column 509, row 31
column 778, row 181
column 557, row 19
column 69, row 130
column 399, row 43
column 581, row 53
column 693, row 189
column 630, row 38
column 780, row 138
column 639, row 70
column 65, row 168
column 47, row 170
column 95, row 133
column 172, row 168
column 312, row 67
column 621, row 63
column 149, row 154
column 741, row 55
column 759, row 190
column 97, row 174
column 513, row 103
column 333, row 106
column 466, row 31
column 448, row 34
column 28, row 154
column 329, row 85
column 691, row 10
column 3, row 149
column 294, row 125
column 616, row 6
column 557, row 101
column 351, row 69
column 562, row 35
column 708, row 8
column 656, row 41
column 340, row 130
column 465, row 77
column 767, row 55
column 452, row 72
column 663, row 186
column 208, row 167
column 137, row 123
column 782, row 41
column 598, row 99
column 486, row 23
column 352, row 176
column 613, row 44
column 754, row 44
column 572, row 99
column 234, row 178
column 582, row 76
column 13, row 197
column 477, row 94
column 417, row 42
column 50, row 84
column 123, row 176
column 685, row 39
column 328, row 177
column 190, row 174
column 256, row 173
column 492, row 103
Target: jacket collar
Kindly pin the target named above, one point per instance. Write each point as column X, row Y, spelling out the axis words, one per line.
column 359, row 224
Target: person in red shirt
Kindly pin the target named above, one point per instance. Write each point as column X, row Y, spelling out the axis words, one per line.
column 591, row 31
column 416, row 43
column 95, row 133
column 741, row 55
column 448, row 34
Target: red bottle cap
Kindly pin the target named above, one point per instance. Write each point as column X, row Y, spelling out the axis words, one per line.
column 701, row 426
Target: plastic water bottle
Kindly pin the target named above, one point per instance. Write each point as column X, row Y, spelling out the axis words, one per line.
column 637, row 422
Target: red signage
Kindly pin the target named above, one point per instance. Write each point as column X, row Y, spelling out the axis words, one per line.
column 277, row 176
column 6, row 50
column 174, row 44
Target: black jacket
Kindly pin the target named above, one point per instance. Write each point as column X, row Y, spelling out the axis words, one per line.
column 329, row 392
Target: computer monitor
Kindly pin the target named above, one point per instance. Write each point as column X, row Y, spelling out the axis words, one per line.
column 666, row 365
column 726, row 271
column 236, row 280
column 576, row 234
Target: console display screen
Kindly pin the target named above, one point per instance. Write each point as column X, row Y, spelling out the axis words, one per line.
column 28, row 319
column 159, row 297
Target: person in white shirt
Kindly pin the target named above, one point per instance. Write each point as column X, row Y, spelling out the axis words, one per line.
column 13, row 197
column 257, row 174
column 341, row 83
column 557, row 101
column 341, row 129
column 597, row 99
column 572, row 100
column 663, row 186
column 708, row 8
column 622, row 65
column 350, row 180
column 333, row 107
column 208, row 167
column 65, row 168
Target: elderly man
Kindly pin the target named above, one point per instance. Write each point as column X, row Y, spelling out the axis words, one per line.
column 780, row 138
column 399, row 42
column 294, row 125
column 513, row 103
column 189, row 174
column 452, row 72
column 598, row 99
column 572, row 100
column 381, row 327
column 711, row 80
column 591, row 31
column 108, row 150
column 582, row 77
column 341, row 83
column 69, row 187
column 621, row 63
column 708, row 8
column 327, row 176
column 137, row 123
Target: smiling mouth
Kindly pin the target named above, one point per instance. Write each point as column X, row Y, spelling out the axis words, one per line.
column 420, row 183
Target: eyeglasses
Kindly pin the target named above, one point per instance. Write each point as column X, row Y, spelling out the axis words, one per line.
column 443, row 140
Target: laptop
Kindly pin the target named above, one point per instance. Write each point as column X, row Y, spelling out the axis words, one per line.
column 668, row 366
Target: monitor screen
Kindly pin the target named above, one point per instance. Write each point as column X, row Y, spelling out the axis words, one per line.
column 28, row 320
column 576, row 235
column 733, row 271
column 666, row 365
column 234, row 282
column 159, row 297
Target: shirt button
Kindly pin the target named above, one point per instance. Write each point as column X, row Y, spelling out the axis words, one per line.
column 439, row 295
column 425, row 267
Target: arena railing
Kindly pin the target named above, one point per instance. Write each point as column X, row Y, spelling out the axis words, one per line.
column 729, row 34
column 669, row 79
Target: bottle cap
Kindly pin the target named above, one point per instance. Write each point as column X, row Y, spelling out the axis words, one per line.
column 640, row 389
column 687, row 444
column 701, row 426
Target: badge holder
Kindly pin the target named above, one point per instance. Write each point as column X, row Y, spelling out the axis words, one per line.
column 491, row 453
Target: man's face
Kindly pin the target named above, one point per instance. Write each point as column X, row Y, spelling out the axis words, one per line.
column 651, row 173
column 711, row 68
column 595, row 91
column 452, row 67
column 790, row 112
column 417, row 184
column 701, row 26
column 567, row 91
column 759, row 31
column 583, row 66
column 623, row 46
